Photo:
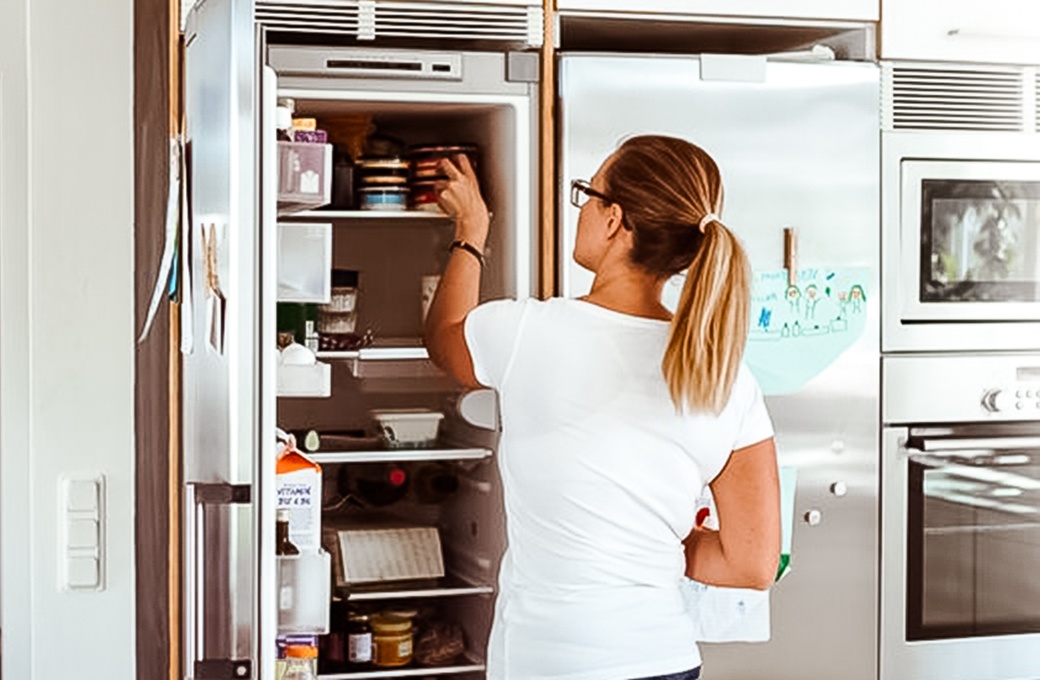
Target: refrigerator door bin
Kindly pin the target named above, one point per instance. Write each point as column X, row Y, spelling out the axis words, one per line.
column 304, row 176
column 304, row 582
column 304, row 262
column 314, row 380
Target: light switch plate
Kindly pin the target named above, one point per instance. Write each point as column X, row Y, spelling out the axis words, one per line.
column 81, row 522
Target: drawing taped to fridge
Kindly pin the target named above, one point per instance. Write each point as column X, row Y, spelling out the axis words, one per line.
column 798, row 329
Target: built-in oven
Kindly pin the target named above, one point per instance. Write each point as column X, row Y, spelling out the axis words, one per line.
column 960, row 519
column 961, row 242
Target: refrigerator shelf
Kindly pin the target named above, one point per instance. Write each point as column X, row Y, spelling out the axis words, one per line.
column 378, row 354
column 381, row 215
column 449, row 586
column 472, row 666
column 398, row 455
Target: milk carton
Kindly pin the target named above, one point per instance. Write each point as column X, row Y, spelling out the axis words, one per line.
column 298, row 484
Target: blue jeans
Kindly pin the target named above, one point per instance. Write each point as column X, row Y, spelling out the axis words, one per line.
column 692, row 674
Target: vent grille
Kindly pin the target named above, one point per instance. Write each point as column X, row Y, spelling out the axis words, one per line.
column 375, row 19
column 924, row 97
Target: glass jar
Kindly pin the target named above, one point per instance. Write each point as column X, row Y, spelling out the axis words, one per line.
column 359, row 640
column 301, row 663
column 391, row 641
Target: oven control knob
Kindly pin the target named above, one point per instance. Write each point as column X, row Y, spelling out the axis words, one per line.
column 996, row 400
column 839, row 489
column 813, row 517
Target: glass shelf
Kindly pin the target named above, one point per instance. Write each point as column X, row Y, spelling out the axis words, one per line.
column 406, row 215
column 469, row 666
column 449, row 586
column 378, row 354
column 398, row 455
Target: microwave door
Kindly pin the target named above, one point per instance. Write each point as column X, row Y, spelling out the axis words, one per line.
column 970, row 242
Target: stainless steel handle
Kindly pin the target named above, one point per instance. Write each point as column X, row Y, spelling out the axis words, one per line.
column 991, row 35
column 196, row 497
column 958, row 445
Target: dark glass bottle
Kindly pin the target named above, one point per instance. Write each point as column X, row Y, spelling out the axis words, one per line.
column 283, row 546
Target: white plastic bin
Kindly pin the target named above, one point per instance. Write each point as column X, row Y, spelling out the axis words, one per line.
column 304, row 175
column 304, row 593
column 304, row 262
column 314, row 380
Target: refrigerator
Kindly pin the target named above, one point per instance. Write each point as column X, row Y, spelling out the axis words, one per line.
column 252, row 245
column 797, row 143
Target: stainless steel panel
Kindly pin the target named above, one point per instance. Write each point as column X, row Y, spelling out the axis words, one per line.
column 1010, row 657
column 961, row 330
column 960, row 388
column 799, row 149
column 220, row 417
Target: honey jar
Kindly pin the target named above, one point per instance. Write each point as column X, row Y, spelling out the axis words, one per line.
column 391, row 641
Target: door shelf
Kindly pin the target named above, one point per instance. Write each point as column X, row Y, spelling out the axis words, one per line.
column 398, row 455
column 409, row 360
column 470, row 666
column 446, row 587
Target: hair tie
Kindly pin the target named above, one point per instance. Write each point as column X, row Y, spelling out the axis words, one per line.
column 710, row 217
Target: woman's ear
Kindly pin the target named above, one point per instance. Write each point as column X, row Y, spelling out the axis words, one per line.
column 615, row 220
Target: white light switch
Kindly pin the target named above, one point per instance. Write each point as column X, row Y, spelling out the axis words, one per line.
column 83, row 533
column 82, row 572
column 81, row 495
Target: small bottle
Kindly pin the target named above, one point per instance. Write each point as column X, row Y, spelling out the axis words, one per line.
column 301, row 663
column 359, row 640
column 283, row 546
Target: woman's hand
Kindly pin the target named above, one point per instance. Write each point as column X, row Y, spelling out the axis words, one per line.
column 459, row 196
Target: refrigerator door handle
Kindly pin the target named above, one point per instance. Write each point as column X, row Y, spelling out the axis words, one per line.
column 196, row 497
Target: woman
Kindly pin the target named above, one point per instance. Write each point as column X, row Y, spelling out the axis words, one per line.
column 615, row 414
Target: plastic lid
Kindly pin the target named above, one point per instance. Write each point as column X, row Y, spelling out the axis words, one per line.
column 382, row 623
column 282, row 514
column 301, row 652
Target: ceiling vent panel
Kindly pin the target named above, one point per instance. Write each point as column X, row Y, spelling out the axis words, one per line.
column 371, row 20
column 946, row 97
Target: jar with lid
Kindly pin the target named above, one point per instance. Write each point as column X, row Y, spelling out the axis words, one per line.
column 359, row 640
column 301, row 663
column 391, row 641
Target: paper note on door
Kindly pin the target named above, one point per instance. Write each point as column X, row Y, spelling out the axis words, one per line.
column 798, row 330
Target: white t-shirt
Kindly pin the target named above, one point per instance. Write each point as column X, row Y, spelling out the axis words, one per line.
column 600, row 477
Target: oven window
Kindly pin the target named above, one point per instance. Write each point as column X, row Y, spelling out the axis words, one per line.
column 980, row 241
column 973, row 550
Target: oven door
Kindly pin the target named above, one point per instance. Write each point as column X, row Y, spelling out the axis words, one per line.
column 969, row 241
column 960, row 577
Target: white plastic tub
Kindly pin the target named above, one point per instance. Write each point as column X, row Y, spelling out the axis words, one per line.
column 408, row 428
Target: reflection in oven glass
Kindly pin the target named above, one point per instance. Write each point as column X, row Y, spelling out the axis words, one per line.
column 974, row 543
column 980, row 241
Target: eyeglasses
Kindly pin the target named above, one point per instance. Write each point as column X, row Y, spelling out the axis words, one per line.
column 582, row 191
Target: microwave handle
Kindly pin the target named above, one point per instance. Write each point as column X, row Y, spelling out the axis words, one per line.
column 954, row 446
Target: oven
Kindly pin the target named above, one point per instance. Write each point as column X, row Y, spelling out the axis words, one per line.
column 960, row 517
column 961, row 241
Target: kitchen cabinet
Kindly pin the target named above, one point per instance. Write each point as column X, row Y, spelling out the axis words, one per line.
column 1001, row 31
column 846, row 10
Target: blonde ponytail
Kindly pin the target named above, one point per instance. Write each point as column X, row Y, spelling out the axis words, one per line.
column 710, row 325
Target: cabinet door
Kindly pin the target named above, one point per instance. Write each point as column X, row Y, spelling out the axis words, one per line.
column 1000, row 31
column 863, row 10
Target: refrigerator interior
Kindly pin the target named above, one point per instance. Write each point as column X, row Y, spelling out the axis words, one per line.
column 392, row 252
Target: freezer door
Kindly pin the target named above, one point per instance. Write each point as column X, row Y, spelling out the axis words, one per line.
column 220, row 380
column 798, row 146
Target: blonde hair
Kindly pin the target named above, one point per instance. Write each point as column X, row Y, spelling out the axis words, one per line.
column 666, row 186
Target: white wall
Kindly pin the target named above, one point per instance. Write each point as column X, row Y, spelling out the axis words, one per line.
column 66, row 327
